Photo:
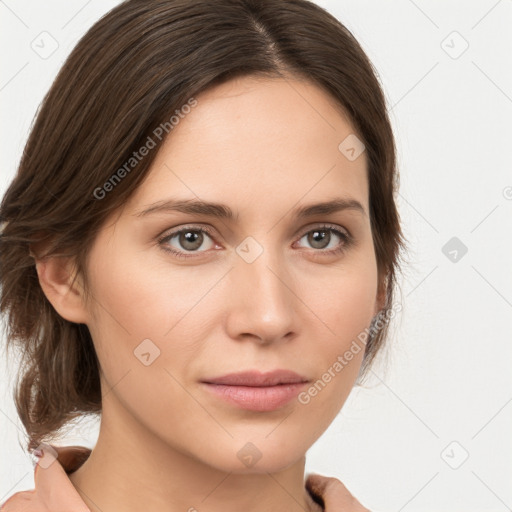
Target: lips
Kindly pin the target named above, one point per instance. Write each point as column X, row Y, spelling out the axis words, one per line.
column 256, row 391
column 254, row 378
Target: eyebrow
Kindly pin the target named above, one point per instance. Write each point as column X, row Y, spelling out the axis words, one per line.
column 222, row 211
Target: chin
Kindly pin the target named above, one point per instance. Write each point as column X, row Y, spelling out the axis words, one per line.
column 256, row 456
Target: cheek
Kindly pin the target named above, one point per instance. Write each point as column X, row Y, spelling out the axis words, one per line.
column 342, row 305
column 136, row 300
column 344, row 300
column 147, row 297
column 142, row 315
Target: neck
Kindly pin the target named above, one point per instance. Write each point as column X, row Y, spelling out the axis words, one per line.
column 130, row 470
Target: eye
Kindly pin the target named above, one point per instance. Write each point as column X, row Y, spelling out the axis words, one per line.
column 322, row 238
column 187, row 239
column 326, row 239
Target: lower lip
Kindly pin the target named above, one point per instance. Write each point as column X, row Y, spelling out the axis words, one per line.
column 253, row 398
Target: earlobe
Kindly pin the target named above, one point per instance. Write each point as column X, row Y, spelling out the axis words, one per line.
column 56, row 275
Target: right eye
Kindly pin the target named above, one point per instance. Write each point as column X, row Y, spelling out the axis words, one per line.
column 188, row 239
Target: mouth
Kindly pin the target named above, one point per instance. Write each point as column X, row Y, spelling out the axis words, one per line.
column 256, row 391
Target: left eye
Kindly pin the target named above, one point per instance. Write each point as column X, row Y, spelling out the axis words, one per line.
column 320, row 238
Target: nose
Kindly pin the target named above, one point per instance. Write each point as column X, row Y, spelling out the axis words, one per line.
column 262, row 301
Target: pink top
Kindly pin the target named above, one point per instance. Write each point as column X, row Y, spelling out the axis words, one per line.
column 54, row 491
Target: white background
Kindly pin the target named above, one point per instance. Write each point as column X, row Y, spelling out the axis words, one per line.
column 448, row 375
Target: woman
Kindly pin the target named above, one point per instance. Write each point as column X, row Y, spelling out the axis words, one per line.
column 199, row 246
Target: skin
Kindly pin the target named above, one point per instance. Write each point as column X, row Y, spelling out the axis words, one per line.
column 263, row 147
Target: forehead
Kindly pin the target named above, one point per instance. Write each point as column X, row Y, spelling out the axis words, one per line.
column 255, row 139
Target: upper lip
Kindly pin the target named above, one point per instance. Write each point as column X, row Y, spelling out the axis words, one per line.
column 258, row 379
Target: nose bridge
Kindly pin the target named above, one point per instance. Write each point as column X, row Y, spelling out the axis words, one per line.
column 263, row 302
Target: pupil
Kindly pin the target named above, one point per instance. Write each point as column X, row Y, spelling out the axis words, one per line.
column 318, row 237
column 192, row 237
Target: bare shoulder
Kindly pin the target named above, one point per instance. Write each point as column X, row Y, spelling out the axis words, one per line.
column 19, row 502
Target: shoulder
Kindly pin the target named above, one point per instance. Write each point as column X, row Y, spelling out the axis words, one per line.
column 333, row 493
column 53, row 489
column 19, row 502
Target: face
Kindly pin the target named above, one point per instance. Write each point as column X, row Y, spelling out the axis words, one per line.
column 263, row 289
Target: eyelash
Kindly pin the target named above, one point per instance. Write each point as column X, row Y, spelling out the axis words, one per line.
column 346, row 238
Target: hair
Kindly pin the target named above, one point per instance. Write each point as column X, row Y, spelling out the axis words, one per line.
column 137, row 66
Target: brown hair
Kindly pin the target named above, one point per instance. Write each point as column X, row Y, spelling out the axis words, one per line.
column 138, row 65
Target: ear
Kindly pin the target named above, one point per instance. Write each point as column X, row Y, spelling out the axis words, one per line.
column 56, row 274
